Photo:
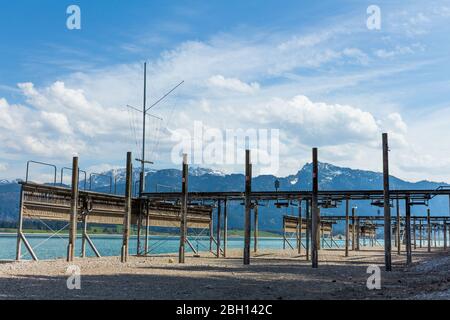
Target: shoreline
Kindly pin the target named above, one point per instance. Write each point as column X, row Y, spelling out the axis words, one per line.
column 273, row 274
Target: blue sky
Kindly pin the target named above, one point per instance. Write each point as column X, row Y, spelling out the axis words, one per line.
column 313, row 70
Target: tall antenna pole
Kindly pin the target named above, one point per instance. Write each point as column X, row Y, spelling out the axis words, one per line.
column 144, row 111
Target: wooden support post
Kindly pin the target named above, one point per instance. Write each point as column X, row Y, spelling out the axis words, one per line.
column 387, row 206
column 84, row 237
column 414, row 233
column 397, row 233
column 183, row 213
column 210, row 235
column 147, row 226
column 73, row 211
column 445, row 235
column 219, row 213
column 225, row 228
column 428, row 230
column 284, row 234
column 140, row 216
column 358, row 232
column 434, row 234
column 315, row 210
column 308, row 228
column 255, row 231
column 20, row 227
column 300, row 222
column 408, row 231
column 248, row 203
column 420, row 233
column 353, row 228
column 346, row 226
column 321, row 238
column 127, row 215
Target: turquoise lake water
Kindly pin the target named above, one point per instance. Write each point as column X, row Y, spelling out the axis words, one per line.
column 109, row 245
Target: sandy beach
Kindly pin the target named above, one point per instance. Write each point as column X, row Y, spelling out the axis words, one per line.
column 272, row 275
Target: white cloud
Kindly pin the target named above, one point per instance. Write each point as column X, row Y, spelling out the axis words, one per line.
column 233, row 84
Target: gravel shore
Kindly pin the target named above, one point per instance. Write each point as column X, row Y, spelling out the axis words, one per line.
column 271, row 275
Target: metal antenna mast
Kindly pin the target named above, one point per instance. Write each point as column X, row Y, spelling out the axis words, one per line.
column 144, row 115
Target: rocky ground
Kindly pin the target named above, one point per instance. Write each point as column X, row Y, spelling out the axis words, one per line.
column 271, row 275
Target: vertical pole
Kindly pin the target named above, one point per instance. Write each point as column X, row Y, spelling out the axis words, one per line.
column 420, row 233
column 445, row 235
column 387, row 208
column 308, row 227
column 20, row 227
column 138, row 233
column 408, row 230
column 428, row 230
column 127, row 215
column 147, row 225
column 248, row 202
column 300, row 222
column 84, row 237
column 434, row 234
column 210, row 235
column 183, row 213
column 321, row 235
column 315, row 211
column 284, row 234
column 255, row 231
column 353, row 229
column 225, row 228
column 358, row 231
column 414, row 233
column 73, row 211
column 346, row 226
column 219, row 213
column 398, row 239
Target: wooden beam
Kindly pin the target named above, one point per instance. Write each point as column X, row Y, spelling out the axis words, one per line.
column 428, row 230
column 127, row 215
column 183, row 213
column 397, row 233
column 346, row 226
column 219, row 213
column 225, row 228
column 387, row 206
column 408, row 231
column 248, row 190
column 315, row 211
column 73, row 211
column 256, row 229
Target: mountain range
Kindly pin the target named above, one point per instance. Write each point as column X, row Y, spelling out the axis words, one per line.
column 270, row 218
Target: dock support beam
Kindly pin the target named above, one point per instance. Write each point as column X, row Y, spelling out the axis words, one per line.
column 300, row 223
column 428, row 230
column 183, row 213
column 127, row 215
column 73, row 211
column 248, row 204
column 358, row 232
column 147, row 226
column 219, row 213
column 353, row 228
column 387, row 206
column 225, row 228
column 397, row 233
column 346, row 226
column 315, row 211
column 308, row 228
column 414, row 233
column 255, row 231
column 408, row 231
column 445, row 235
